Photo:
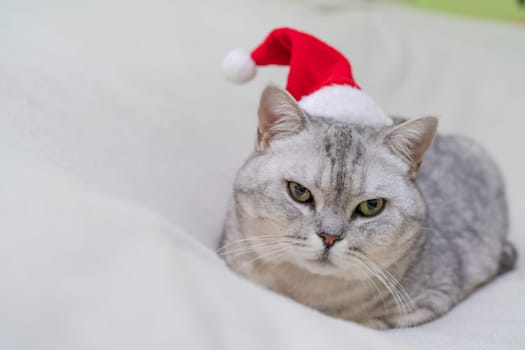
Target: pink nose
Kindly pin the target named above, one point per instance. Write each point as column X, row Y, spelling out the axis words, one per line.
column 329, row 239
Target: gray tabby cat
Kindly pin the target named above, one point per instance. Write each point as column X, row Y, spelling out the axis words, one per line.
column 342, row 218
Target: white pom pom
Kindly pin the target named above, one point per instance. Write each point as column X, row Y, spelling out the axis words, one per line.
column 238, row 66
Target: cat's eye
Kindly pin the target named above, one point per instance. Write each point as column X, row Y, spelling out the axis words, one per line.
column 300, row 193
column 370, row 207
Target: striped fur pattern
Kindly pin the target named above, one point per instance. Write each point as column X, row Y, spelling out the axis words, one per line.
column 441, row 234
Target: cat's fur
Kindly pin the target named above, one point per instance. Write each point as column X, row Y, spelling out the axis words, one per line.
column 441, row 235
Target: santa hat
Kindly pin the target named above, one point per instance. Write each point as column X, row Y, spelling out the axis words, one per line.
column 320, row 77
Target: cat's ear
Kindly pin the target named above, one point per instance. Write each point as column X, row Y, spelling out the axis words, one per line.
column 279, row 115
column 412, row 139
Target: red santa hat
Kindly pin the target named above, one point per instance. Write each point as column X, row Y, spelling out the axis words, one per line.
column 320, row 77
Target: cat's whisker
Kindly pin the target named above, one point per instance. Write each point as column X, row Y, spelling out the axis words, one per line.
column 240, row 250
column 381, row 279
column 406, row 302
column 370, row 281
column 396, row 290
column 255, row 238
column 393, row 291
column 401, row 299
column 249, row 240
column 275, row 252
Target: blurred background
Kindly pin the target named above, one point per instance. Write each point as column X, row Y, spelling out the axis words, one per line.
column 510, row 10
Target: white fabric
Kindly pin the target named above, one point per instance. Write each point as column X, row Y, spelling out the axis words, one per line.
column 345, row 103
column 117, row 163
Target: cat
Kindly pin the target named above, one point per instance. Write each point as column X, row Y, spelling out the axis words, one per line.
column 349, row 220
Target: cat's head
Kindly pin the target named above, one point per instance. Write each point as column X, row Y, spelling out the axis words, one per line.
column 320, row 193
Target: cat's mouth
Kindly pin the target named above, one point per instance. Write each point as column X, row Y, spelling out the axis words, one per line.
column 323, row 259
column 321, row 265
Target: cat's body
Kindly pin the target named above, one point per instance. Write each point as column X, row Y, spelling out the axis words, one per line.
column 441, row 234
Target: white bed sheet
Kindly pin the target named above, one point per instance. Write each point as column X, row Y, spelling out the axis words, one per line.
column 119, row 141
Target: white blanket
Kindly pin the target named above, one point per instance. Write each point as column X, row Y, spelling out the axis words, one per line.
column 119, row 141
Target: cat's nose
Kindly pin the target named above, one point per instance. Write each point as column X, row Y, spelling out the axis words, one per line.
column 329, row 239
